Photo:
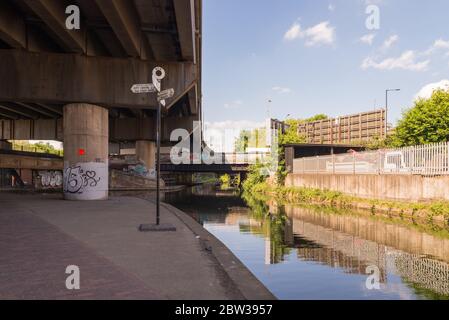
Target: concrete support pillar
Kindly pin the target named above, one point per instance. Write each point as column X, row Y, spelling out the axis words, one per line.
column 146, row 151
column 86, row 133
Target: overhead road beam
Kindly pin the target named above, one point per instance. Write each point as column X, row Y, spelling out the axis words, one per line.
column 8, row 116
column 120, row 129
column 124, row 20
column 52, row 13
column 28, row 160
column 54, row 109
column 14, row 109
column 186, row 28
column 12, row 26
column 35, row 109
column 53, row 78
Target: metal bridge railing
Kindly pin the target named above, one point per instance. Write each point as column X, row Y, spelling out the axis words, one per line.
column 35, row 149
column 431, row 159
column 236, row 158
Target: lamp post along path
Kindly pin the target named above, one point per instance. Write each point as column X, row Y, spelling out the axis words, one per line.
column 157, row 75
column 386, row 109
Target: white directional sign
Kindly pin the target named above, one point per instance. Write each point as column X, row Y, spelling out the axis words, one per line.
column 143, row 88
column 166, row 94
column 157, row 75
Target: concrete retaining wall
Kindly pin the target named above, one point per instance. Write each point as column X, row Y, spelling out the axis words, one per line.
column 402, row 187
column 122, row 181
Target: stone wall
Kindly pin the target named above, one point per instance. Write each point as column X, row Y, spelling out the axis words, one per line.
column 400, row 187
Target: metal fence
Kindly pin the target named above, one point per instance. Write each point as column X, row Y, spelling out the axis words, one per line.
column 431, row 159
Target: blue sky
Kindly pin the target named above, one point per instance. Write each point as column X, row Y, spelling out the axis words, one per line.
column 309, row 57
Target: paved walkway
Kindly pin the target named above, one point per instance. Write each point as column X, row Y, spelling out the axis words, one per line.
column 40, row 235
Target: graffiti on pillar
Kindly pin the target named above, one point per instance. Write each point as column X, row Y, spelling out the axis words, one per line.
column 77, row 179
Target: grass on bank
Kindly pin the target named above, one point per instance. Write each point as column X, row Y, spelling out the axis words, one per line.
column 441, row 230
column 257, row 183
column 337, row 199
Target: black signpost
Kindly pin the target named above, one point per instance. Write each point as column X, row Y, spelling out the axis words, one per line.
column 158, row 75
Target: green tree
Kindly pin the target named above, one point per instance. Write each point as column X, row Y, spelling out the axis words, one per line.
column 41, row 147
column 225, row 181
column 250, row 139
column 317, row 118
column 426, row 122
column 242, row 142
column 257, row 174
column 291, row 134
column 377, row 143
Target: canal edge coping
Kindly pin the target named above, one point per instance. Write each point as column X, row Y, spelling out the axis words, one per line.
column 243, row 279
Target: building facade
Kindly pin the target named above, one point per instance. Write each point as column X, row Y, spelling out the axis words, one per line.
column 346, row 129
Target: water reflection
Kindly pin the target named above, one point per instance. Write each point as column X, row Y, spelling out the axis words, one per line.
column 353, row 243
column 304, row 253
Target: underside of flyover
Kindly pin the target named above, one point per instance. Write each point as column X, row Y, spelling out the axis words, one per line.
column 73, row 85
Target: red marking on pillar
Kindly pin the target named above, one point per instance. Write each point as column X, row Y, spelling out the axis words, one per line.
column 81, row 152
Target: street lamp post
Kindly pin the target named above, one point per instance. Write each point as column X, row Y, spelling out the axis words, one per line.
column 386, row 109
column 269, row 101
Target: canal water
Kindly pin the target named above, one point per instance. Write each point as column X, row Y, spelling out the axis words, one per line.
column 301, row 252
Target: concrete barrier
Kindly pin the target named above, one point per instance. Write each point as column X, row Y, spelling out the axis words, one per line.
column 400, row 187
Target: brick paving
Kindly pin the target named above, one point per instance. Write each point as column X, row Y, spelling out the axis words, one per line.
column 35, row 254
column 40, row 235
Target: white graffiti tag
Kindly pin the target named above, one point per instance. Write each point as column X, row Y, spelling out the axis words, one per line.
column 51, row 178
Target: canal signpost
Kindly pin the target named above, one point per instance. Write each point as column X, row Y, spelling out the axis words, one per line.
column 166, row 94
column 143, row 88
column 157, row 75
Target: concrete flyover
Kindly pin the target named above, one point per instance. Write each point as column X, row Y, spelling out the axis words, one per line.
column 29, row 160
column 73, row 85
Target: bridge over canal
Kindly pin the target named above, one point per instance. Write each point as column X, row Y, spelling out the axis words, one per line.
column 73, row 85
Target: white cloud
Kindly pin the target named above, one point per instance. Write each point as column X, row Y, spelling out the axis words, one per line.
column 438, row 44
column 331, row 7
column 238, row 125
column 390, row 41
column 407, row 61
column 320, row 34
column 427, row 90
column 376, row 2
column 368, row 38
column 293, row 33
column 281, row 89
column 233, row 105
